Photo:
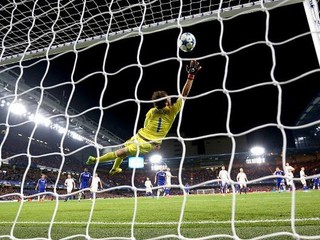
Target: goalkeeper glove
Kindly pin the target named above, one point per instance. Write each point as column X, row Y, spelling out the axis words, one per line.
column 192, row 69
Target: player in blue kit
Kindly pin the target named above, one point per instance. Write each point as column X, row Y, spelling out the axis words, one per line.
column 279, row 172
column 316, row 184
column 85, row 182
column 41, row 187
column 160, row 181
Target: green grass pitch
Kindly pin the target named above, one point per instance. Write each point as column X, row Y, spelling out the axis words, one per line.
column 204, row 216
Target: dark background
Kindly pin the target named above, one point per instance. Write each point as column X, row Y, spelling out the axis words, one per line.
column 235, row 60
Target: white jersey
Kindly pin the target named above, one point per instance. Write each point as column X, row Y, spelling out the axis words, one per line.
column 289, row 178
column 242, row 177
column 148, row 185
column 303, row 178
column 95, row 183
column 288, row 169
column 223, row 175
column 69, row 183
column 168, row 178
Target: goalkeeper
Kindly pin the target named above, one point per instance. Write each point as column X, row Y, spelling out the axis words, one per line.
column 157, row 124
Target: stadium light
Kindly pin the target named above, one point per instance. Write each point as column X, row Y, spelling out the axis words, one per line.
column 156, row 158
column 40, row 119
column 76, row 136
column 156, row 162
column 256, row 155
column 257, row 151
column 17, row 108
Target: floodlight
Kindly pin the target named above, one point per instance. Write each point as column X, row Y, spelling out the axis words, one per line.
column 156, row 158
column 257, row 151
column 40, row 119
column 18, row 109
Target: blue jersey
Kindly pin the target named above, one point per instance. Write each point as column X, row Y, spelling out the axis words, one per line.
column 85, row 180
column 42, row 184
column 161, row 178
column 279, row 173
column 187, row 188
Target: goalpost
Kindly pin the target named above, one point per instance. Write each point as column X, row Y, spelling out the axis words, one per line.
column 57, row 54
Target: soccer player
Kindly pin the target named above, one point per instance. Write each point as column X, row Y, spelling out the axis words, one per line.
column 167, row 188
column 279, row 172
column 148, row 186
column 224, row 180
column 157, row 124
column 303, row 179
column 95, row 184
column 283, row 186
column 316, row 184
column 288, row 172
column 41, row 187
column 70, row 184
column 160, row 181
column 84, row 179
column 242, row 180
column 187, row 188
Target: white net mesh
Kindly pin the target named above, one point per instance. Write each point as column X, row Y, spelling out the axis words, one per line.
column 28, row 26
column 76, row 80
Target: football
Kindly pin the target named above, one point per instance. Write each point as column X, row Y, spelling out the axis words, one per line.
column 187, row 42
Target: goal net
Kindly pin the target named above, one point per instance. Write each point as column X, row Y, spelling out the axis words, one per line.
column 76, row 79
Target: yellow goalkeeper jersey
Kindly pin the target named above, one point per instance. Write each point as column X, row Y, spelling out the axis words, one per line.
column 159, row 121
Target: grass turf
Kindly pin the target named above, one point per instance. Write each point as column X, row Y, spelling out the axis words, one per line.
column 203, row 216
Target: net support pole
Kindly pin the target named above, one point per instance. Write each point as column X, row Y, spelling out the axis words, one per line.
column 312, row 13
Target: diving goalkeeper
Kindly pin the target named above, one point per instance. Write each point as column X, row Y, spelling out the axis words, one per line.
column 157, row 124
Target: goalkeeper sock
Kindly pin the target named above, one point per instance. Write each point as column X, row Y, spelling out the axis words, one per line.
column 117, row 162
column 107, row 157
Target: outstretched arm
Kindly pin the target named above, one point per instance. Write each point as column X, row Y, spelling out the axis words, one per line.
column 192, row 69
